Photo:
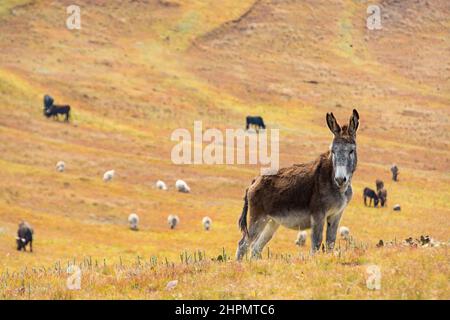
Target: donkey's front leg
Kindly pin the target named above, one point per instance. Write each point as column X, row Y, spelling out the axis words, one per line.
column 317, row 222
column 332, row 226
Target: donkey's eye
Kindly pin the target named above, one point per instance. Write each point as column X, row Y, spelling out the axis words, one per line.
column 351, row 151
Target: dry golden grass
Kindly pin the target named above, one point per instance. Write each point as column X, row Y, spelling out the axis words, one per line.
column 137, row 71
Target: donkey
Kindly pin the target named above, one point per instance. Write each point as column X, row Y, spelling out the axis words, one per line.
column 380, row 184
column 381, row 192
column 48, row 101
column 372, row 195
column 394, row 170
column 382, row 196
column 304, row 195
column 24, row 236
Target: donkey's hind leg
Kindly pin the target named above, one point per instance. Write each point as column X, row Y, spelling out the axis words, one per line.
column 242, row 247
column 265, row 236
column 256, row 227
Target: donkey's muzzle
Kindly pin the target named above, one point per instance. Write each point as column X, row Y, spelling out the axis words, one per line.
column 340, row 181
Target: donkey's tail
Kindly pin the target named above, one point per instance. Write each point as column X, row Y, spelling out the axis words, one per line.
column 243, row 217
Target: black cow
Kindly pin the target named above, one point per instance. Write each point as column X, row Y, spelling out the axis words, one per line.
column 257, row 121
column 53, row 110
column 24, row 236
column 56, row 110
column 372, row 195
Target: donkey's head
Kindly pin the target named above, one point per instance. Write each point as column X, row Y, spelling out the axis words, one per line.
column 343, row 149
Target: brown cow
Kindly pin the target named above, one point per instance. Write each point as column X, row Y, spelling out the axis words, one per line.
column 304, row 195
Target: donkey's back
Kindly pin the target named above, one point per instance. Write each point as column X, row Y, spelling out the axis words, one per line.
column 285, row 196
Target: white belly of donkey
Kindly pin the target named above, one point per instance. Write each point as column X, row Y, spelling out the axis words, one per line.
column 297, row 220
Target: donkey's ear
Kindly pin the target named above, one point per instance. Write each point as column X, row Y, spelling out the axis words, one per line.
column 353, row 123
column 332, row 124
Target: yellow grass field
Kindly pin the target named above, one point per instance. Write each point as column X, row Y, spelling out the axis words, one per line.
column 138, row 70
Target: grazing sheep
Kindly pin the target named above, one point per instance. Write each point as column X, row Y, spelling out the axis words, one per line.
column 207, row 222
column 301, row 238
column 133, row 220
column 24, row 236
column 60, row 166
column 397, row 207
column 173, row 220
column 108, row 175
column 344, row 232
column 161, row 185
column 182, row 186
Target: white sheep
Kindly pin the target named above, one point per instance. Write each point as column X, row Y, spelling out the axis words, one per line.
column 207, row 222
column 161, row 185
column 133, row 220
column 173, row 220
column 344, row 232
column 108, row 175
column 301, row 238
column 60, row 166
column 182, row 186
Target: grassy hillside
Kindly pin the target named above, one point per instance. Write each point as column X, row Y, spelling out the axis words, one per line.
column 137, row 70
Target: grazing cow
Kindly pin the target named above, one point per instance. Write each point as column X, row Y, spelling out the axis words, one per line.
column 207, row 222
column 24, row 236
column 382, row 196
column 372, row 195
column 133, row 220
column 301, row 238
column 257, row 122
column 55, row 110
column 304, row 195
column 173, row 220
column 394, row 170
